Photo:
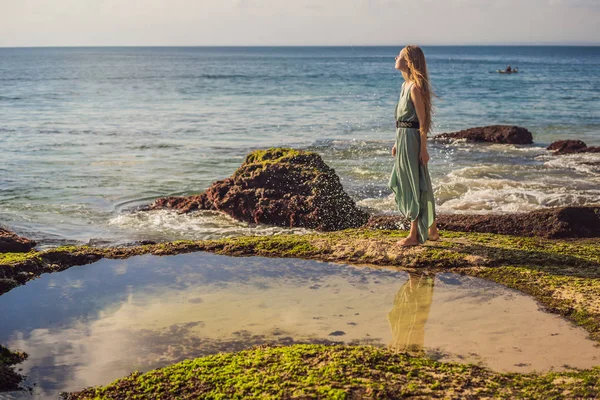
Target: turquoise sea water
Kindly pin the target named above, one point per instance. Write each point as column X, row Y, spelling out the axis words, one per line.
column 88, row 134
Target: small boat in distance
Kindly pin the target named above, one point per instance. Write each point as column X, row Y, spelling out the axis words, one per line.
column 508, row 70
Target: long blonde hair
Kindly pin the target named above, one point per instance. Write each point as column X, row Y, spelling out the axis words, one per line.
column 417, row 73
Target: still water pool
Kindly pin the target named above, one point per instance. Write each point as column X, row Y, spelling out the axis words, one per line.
column 92, row 324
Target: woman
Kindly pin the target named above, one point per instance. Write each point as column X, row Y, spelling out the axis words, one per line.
column 410, row 179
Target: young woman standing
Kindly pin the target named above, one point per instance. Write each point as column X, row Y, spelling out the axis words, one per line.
column 410, row 179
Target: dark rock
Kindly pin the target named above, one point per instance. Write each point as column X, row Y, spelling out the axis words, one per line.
column 282, row 187
column 493, row 134
column 93, row 242
column 571, row 146
column 566, row 146
column 7, row 284
column 388, row 222
column 553, row 223
column 12, row 243
column 10, row 380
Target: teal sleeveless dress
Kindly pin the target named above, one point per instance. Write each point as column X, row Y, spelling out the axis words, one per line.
column 410, row 180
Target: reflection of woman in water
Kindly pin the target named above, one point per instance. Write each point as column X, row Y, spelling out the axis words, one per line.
column 411, row 309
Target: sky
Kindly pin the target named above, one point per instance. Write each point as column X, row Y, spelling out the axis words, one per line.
column 297, row 22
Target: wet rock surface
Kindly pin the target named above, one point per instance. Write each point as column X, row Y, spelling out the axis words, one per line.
column 555, row 223
column 281, row 187
column 389, row 222
column 572, row 146
column 13, row 243
column 492, row 134
column 9, row 378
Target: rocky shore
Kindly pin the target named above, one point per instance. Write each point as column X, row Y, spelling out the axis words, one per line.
column 552, row 255
column 286, row 187
column 12, row 243
column 562, row 275
column 553, row 223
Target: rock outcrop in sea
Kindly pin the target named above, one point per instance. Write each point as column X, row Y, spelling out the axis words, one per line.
column 278, row 186
column 552, row 223
column 571, row 146
column 492, row 134
column 292, row 188
column 13, row 243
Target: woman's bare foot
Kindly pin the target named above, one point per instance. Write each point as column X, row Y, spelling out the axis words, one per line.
column 434, row 234
column 408, row 242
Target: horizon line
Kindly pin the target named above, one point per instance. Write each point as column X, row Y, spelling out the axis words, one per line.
column 309, row 45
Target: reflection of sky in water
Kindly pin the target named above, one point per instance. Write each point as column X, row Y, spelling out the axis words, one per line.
column 92, row 324
column 83, row 292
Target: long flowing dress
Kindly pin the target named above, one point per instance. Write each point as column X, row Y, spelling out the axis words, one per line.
column 410, row 179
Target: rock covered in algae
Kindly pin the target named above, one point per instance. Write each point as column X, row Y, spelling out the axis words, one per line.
column 494, row 134
column 278, row 186
column 552, row 223
column 10, row 242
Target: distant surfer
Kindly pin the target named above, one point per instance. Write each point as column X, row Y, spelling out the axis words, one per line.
column 508, row 69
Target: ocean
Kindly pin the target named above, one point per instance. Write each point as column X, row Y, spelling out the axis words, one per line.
column 87, row 135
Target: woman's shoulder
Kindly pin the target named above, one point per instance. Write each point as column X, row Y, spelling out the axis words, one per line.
column 414, row 89
column 412, row 86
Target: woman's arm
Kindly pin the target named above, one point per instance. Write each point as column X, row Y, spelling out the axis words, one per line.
column 417, row 99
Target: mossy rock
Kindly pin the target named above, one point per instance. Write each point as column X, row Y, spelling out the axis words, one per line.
column 339, row 372
column 281, row 187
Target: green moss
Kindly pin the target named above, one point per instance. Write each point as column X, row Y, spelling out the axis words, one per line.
column 338, row 372
column 274, row 155
column 276, row 246
column 584, row 249
column 69, row 249
column 15, row 258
